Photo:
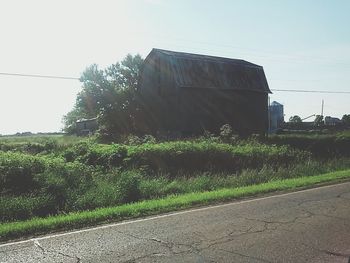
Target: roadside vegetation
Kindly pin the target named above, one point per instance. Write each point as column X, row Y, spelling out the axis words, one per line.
column 155, row 206
column 319, row 145
column 49, row 176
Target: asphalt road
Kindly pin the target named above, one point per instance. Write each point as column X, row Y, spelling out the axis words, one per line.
column 307, row 226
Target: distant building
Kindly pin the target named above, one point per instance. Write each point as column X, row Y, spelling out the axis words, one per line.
column 331, row 121
column 276, row 115
column 86, row 126
column 185, row 93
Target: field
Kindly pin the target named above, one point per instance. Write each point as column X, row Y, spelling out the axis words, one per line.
column 45, row 176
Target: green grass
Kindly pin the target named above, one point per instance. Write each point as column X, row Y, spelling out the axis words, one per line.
column 150, row 207
column 59, row 138
column 39, row 144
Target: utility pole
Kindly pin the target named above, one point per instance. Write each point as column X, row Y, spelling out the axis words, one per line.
column 268, row 115
column 322, row 108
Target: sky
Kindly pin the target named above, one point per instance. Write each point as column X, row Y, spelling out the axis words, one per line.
column 302, row 44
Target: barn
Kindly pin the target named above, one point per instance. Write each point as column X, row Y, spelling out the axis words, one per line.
column 188, row 94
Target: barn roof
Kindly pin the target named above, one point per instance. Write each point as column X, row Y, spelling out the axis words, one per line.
column 201, row 71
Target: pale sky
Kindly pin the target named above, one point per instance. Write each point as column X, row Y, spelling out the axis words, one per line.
column 302, row 44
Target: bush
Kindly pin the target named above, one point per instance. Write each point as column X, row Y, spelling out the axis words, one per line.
column 178, row 157
column 17, row 172
column 183, row 156
column 101, row 194
column 174, row 157
column 110, row 190
column 324, row 146
column 25, row 207
column 96, row 154
column 129, row 186
column 23, row 174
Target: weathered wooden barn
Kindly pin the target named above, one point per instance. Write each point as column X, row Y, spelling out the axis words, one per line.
column 189, row 93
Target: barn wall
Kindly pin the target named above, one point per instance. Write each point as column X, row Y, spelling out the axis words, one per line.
column 157, row 94
column 209, row 109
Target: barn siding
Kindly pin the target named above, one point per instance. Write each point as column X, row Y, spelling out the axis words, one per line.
column 243, row 110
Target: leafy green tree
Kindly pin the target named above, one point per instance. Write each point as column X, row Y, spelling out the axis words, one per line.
column 346, row 119
column 108, row 94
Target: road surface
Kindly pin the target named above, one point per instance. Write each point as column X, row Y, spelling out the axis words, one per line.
column 307, row 226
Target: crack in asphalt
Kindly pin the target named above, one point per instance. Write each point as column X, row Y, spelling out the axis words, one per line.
column 328, row 252
column 267, row 225
column 141, row 257
column 44, row 251
column 232, row 236
column 245, row 256
column 170, row 246
column 332, row 206
column 324, row 215
column 275, row 223
column 342, row 197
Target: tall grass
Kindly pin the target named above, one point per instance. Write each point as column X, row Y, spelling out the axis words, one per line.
column 36, row 144
column 59, row 139
column 324, row 146
column 51, row 186
column 185, row 156
column 149, row 207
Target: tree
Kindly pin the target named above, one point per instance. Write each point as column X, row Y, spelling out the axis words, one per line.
column 346, row 119
column 295, row 119
column 108, row 94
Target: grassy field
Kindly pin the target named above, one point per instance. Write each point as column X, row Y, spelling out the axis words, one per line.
column 57, row 138
column 150, row 207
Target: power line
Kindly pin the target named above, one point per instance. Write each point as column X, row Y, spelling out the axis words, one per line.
column 272, row 56
column 37, row 76
column 171, row 39
column 312, row 91
column 74, row 78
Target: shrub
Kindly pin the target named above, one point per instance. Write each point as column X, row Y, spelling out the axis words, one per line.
column 129, row 186
column 133, row 140
column 183, row 156
column 96, row 154
column 324, row 146
column 63, row 181
column 23, row 174
column 25, row 207
column 17, row 172
column 188, row 156
column 101, row 194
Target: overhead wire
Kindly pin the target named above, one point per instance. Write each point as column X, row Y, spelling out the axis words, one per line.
column 312, row 91
column 37, row 76
column 75, row 78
